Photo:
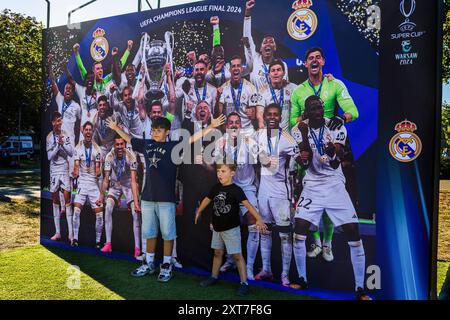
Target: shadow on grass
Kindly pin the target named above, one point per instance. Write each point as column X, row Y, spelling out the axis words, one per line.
column 115, row 275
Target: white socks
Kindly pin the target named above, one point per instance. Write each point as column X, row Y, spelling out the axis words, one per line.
column 57, row 218
column 69, row 217
column 266, row 247
column 252, row 246
column 358, row 262
column 300, row 254
column 286, row 252
column 149, row 257
column 98, row 226
column 76, row 222
column 108, row 218
column 167, row 259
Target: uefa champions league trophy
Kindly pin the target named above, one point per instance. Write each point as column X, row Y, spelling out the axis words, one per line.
column 155, row 54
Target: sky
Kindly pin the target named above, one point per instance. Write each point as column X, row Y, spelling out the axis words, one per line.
column 96, row 10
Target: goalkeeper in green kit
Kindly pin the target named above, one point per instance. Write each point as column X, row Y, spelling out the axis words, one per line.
column 334, row 94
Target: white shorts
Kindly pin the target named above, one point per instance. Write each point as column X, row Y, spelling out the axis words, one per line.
column 274, row 210
column 250, row 193
column 334, row 200
column 60, row 180
column 116, row 192
column 89, row 193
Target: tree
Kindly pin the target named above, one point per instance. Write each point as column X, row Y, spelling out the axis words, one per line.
column 446, row 43
column 20, row 72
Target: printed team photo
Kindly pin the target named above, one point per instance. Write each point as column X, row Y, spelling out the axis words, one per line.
column 245, row 141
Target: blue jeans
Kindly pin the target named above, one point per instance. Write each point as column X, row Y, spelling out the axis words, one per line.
column 156, row 216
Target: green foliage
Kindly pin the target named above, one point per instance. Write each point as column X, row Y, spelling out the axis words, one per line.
column 446, row 43
column 21, row 72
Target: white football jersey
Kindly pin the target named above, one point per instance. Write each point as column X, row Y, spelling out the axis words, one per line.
column 259, row 74
column 319, row 171
column 197, row 94
column 70, row 112
column 274, row 182
column 249, row 97
column 103, row 136
column 88, row 157
column 241, row 154
column 88, row 105
column 120, row 168
column 130, row 118
column 59, row 155
column 280, row 94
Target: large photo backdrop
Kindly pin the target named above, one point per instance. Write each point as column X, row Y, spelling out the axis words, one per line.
column 94, row 71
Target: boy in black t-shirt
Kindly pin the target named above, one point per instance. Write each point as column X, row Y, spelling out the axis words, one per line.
column 226, row 197
column 158, row 197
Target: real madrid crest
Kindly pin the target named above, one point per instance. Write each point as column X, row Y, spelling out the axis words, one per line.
column 303, row 21
column 99, row 46
column 405, row 146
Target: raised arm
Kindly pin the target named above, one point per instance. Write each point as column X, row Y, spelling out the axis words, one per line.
column 216, row 30
column 81, row 68
column 51, row 75
column 70, row 77
column 126, row 54
column 172, row 98
column 250, row 50
column 215, row 123
column 112, row 124
column 115, row 67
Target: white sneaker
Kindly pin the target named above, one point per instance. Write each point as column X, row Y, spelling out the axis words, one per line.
column 176, row 263
column 227, row 266
column 315, row 251
column 327, row 254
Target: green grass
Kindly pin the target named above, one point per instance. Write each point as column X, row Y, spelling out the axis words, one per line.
column 38, row 272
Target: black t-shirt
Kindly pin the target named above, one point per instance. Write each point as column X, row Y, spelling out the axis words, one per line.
column 225, row 201
column 161, row 172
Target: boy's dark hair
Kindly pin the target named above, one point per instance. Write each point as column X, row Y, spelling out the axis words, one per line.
column 231, row 166
column 277, row 62
column 161, row 123
column 313, row 49
column 56, row 115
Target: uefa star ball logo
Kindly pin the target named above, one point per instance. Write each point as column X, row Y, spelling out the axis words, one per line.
column 303, row 21
column 405, row 146
column 99, row 46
